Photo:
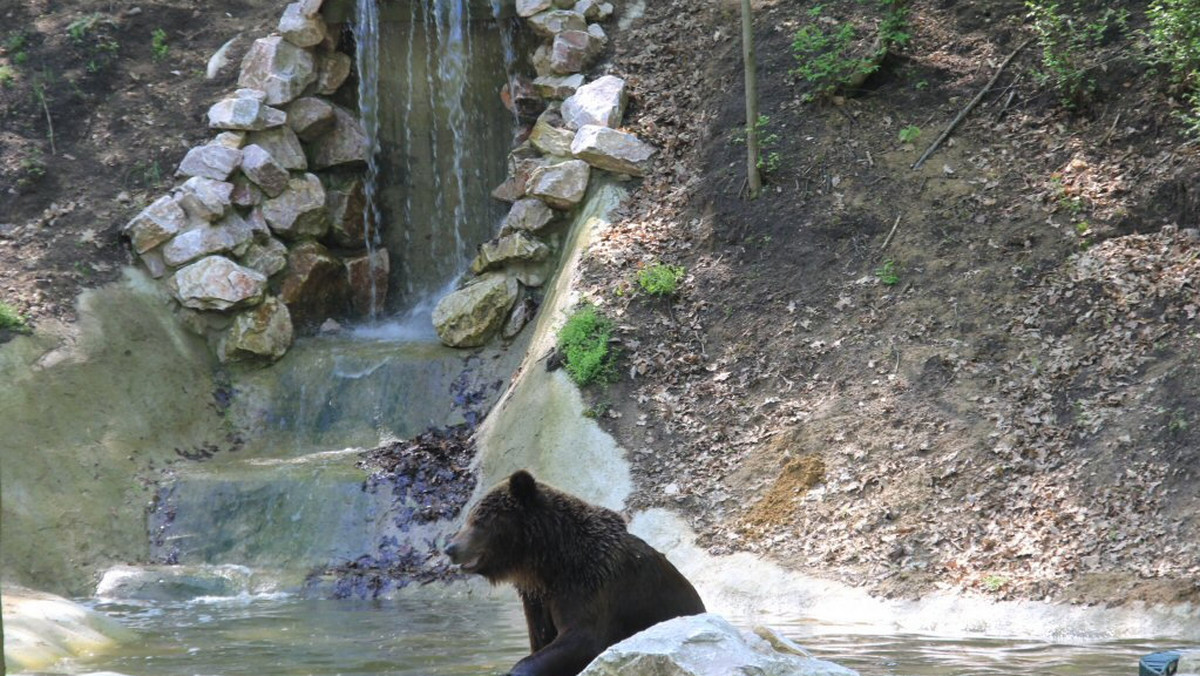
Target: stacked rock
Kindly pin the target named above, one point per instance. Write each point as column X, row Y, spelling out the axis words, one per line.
column 266, row 232
column 576, row 130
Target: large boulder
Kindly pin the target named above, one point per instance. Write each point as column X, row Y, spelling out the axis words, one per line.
column 558, row 86
column 601, row 102
column 283, row 145
column 705, row 645
column 346, row 143
column 278, row 68
column 230, row 235
column 346, row 201
column 315, row 285
column 572, row 51
column 515, row 248
column 267, row 257
column 529, row 214
column 299, row 211
column 527, row 8
column 552, row 22
column 214, row 160
column 612, row 150
column 244, row 111
column 301, row 28
column 155, row 224
column 260, row 332
column 368, row 275
column 333, row 69
column 562, row 185
column 310, row 117
column 549, row 138
column 470, row 316
column 259, row 166
column 205, row 199
column 217, row 283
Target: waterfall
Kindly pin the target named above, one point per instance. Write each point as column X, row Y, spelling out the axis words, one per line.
column 366, row 42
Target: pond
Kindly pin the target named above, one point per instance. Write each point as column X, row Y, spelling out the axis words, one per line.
column 282, row 635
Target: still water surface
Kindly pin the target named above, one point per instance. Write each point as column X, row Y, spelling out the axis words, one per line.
column 452, row 637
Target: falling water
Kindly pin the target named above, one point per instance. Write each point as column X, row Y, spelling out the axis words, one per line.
column 366, row 41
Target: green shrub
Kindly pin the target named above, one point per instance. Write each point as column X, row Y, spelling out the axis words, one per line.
column 660, row 279
column 887, row 274
column 158, row 43
column 1069, row 44
column 583, row 346
column 1174, row 39
column 11, row 320
column 827, row 58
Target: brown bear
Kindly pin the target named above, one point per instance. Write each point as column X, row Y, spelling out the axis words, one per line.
column 586, row 582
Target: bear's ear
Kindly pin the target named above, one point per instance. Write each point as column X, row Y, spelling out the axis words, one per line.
column 522, row 486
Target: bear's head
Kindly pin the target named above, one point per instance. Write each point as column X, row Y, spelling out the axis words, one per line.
column 492, row 543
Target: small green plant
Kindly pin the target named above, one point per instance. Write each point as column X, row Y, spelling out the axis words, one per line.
column 1178, row 424
column 92, row 38
column 11, row 320
column 769, row 161
column 583, row 344
column 1069, row 44
column 660, row 279
column 81, row 28
column 994, row 583
column 910, row 133
column 828, row 60
column 31, row 170
column 158, row 44
column 887, row 273
column 7, row 75
column 15, row 45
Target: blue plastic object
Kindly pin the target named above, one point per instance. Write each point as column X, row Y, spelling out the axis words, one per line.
column 1159, row 664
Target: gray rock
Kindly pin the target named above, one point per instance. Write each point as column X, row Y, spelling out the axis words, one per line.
column 210, row 161
column 333, row 69
column 346, row 202
column 260, row 167
column 229, row 235
column 268, row 257
column 299, row 211
column 532, row 275
column 156, row 224
column 521, row 313
column 704, row 645
column 258, row 225
column 302, row 29
column 552, row 22
column 514, row 187
column 612, row 150
column 260, row 332
column 558, row 86
column 217, row 283
column 283, row 144
column 205, row 199
column 470, row 316
column 229, row 139
column 245, row 192
column 244, row 114
column 345, row 144
column 562, row 186
column 593, row 10
column 573, row 51
column 527, row 8
column 549, row 138
column 529, row 215
column 315, row 285
column 278, row 68
column 515, row 248
column 541, row 61
column 154, row 263
column 601, row 102
column 310, row 117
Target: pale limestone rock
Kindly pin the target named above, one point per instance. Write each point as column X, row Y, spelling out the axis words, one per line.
column 153, row 260
column 549, row 138
column 470, row 316
column 245, row 192
column 283, row 145
column 217, row 283
column 515, row 186
column 552, row 22
column 229, row 235
column 515, row 248
column 210, row 161
column 299, row 211
column 301, row 29
column 612, row 150
column 268, row 258
column 315, row 285
column 229, row 139
column 310, row 117
column 260, row 167
column 205, row 199
column 527, row 8
column 258, row 224
column 264, row 331
column 573, row 51
column 562, row 186
column 541, row 61
column 532, row 275
column 278, row 68
column 704, row 645
column 156, row 224
column 601, row 102
column 529, row 215
column 368, row 275
column 333, row 68
column 346, row 143
column 244, row 114
column 558, row 86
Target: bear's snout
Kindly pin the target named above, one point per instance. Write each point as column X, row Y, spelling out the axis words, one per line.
column 451, row 551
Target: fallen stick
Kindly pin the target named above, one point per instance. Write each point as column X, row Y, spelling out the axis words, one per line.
column 963, row 113
column 888, row 240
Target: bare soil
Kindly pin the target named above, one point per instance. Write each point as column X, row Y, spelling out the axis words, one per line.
column 1008, row 406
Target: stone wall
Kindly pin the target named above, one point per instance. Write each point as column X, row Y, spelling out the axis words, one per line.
column 263, row 237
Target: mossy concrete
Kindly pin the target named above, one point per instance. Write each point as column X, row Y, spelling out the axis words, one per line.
column 91, row 412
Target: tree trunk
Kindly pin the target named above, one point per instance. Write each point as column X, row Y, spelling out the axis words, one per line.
column 752, row 177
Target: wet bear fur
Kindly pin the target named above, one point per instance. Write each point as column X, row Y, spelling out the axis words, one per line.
column 585, row 581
